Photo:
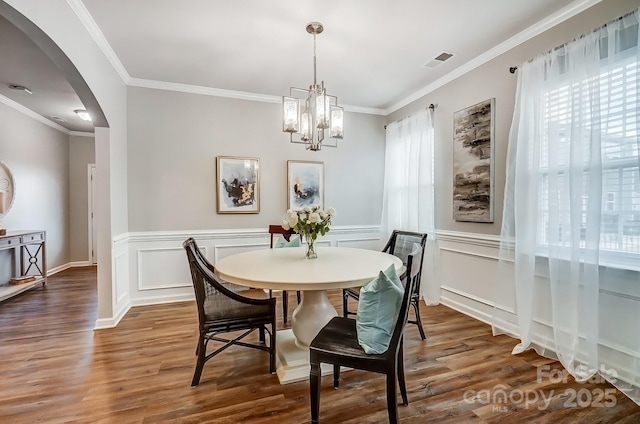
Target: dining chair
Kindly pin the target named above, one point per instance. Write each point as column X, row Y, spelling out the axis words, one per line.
column 275, row 230
column 399, row 244
column 225, row 307
column 337, row 344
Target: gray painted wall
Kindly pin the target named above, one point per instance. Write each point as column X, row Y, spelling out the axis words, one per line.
column 494, row 80
column 82, row 152
column 38, row 156
column 174, row 139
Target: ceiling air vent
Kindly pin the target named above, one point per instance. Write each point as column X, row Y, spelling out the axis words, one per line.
column 438, row 60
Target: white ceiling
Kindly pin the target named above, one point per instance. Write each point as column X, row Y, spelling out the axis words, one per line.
column 371, row 54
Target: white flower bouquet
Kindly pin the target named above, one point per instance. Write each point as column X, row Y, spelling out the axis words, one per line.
column 309, row 222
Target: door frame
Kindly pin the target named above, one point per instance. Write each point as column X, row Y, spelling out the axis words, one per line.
column 91, row 230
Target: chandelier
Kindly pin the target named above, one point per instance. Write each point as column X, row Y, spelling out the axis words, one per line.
column 306, row 114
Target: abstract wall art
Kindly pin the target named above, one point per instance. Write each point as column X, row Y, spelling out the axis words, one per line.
column 305, row 184
column 473, row 139
column 238, row 184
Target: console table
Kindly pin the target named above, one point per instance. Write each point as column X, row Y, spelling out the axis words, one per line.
column 29, row 249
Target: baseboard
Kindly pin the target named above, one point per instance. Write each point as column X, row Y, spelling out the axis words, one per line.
column 80, row 263
column 158, row 300
column 465, row 309
column 68, row 265
column 102, row 323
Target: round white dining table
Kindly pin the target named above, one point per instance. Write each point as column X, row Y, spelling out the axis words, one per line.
column 287, row 269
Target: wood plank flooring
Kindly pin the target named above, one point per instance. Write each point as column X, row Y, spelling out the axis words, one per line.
column 55, row 369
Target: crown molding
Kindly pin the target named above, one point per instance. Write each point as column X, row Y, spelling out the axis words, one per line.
column 543, row 25
column 82, row 134
column 367, row 110
column 26, row 111
column 87, row 20
column 550, row 21
column 232, row 94
column 207, row 91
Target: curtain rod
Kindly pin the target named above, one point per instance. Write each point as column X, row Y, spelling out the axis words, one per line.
column 431, row 107
column 513, row 69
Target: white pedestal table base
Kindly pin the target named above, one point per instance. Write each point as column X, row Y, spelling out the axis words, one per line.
column 313, row 313
column 292, row 346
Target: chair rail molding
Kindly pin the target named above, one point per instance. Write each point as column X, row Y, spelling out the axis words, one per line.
column 157, row 266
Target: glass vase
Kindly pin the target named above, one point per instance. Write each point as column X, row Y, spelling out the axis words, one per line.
column 311, row 250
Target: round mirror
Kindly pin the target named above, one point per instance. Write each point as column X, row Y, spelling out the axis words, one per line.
column 7, row 189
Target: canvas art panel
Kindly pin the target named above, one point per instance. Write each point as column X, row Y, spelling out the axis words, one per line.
column 238, row 184
column 473, row 138
column 305, row 184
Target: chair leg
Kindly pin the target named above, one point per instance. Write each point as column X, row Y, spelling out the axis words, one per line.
column 314, row 390
column 200, row 361
column 298, row 296
column 272, row 347
column 261, row 333
column 401, row 379
column 285, row 305
column 416, row 309
column 392, row 402
column 336, row 376
column 345, row 303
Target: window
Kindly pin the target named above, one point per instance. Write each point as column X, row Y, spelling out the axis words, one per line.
column 606, row 107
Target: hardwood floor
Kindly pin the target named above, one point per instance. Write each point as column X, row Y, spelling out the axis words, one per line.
column 54, row 368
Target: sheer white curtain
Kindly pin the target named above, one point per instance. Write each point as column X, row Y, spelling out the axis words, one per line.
column 408, row 200
column 569, row 282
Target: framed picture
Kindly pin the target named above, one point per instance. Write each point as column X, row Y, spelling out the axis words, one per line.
column 473, row 138
column 305, row 184
column 238, row 184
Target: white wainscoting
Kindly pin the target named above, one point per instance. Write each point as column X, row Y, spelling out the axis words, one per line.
column 158, row 269
column 469, row 264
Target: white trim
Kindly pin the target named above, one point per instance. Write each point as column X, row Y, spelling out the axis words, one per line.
column 87, row 20
column 68, row 265
column 120, row 297
column 475, row 255
column 486, row 240
column 231, row 94
column 159, row 300
column 26, row 111
column 102, row 323
column 465, row 309
column 91, row 167
column 151, row 236
column 79, row 264
column 539, row 27
column 207, row 91
column 82, row 134
column 357, row 240
column 58, row 269
column 121, row 240
column 142, row 287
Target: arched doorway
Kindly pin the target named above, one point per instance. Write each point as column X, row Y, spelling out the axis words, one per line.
column 59, row 20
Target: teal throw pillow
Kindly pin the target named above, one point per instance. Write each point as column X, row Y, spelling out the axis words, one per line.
column 294, row 241
column 378, row 309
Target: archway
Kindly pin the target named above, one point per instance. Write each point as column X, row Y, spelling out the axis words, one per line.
column 102, row 140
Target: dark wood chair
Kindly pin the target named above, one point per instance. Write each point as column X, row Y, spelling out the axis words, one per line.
column 399, row 244
column 225, row 307
column 275, row 230
column 337, row 344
